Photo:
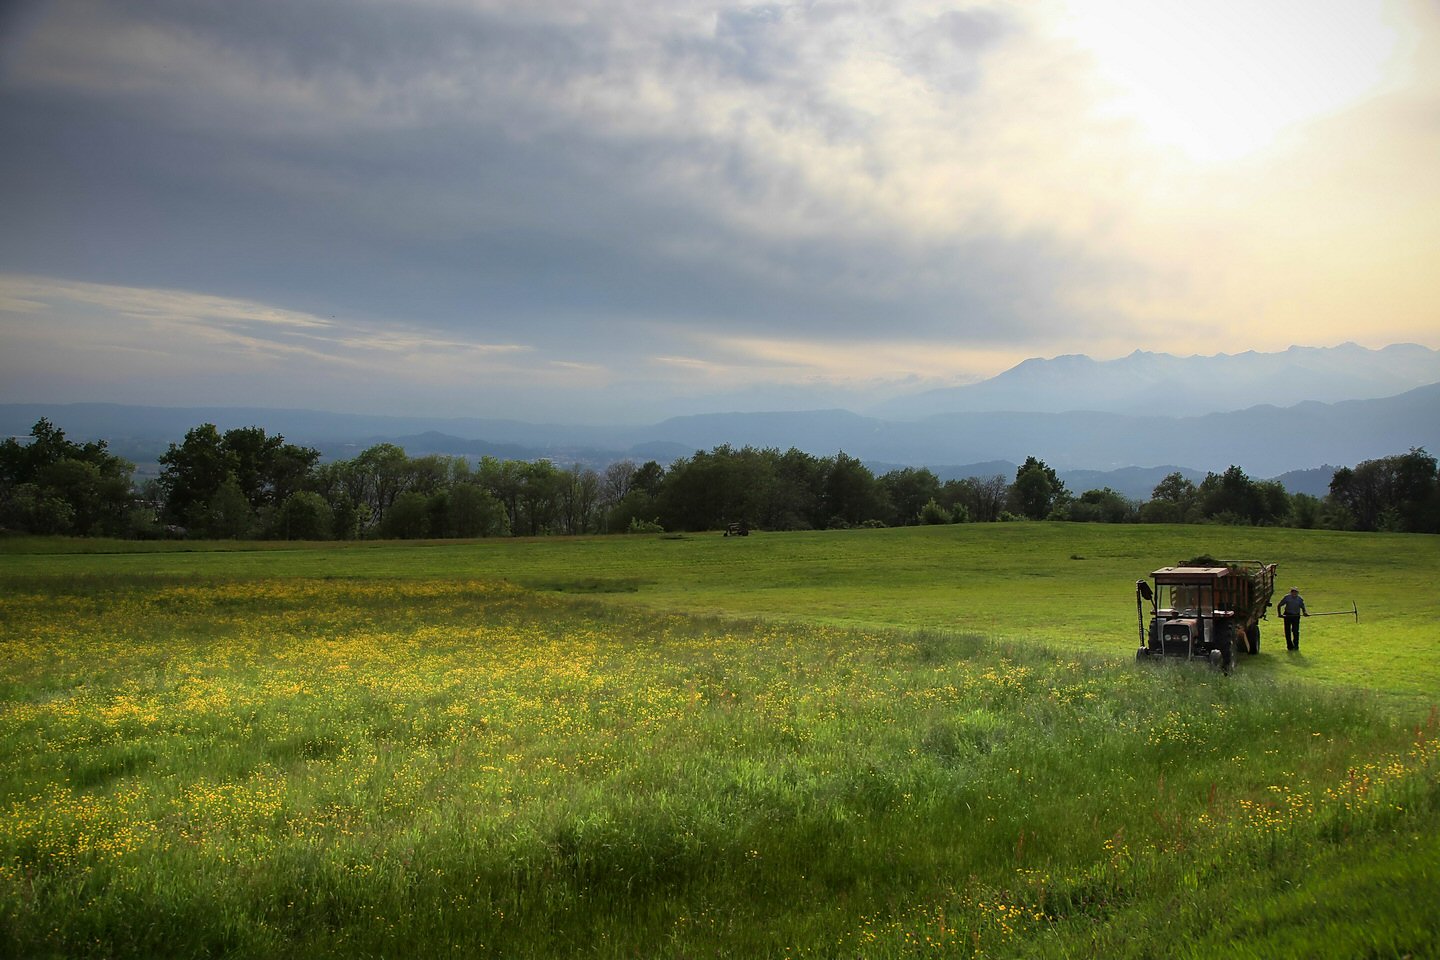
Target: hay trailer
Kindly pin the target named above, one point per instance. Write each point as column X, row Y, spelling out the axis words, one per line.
column 1207, row 609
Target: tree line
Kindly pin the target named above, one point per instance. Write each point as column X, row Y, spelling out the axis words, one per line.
column 246, row 484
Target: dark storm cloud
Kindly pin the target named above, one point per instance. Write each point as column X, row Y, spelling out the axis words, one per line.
column 613, row 189
column 424, row 161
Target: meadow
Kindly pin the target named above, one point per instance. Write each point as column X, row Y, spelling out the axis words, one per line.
column 879, row 743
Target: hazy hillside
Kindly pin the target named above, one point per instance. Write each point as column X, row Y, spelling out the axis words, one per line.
column 1179, row 386
column 1315, row 482
column 1265, row 440
column 119, row 422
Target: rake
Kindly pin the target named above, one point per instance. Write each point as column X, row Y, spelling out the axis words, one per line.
column 1354, row 611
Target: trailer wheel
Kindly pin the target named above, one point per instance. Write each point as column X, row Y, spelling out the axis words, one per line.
column 1252, row 633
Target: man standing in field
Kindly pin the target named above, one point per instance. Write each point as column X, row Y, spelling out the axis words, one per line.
column 1291, row 608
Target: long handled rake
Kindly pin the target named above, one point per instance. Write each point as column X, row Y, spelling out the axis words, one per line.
column 1354, row 611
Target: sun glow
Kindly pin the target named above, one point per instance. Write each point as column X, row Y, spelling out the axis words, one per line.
column 1222, row 80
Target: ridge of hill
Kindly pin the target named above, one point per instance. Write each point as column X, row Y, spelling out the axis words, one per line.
column 1265, row 440
column 1143, row 381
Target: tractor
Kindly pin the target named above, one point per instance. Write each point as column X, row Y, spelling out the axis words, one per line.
column 1206, row 609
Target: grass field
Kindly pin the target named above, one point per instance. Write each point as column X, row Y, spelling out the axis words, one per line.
column 921, row 742
column 1068, row 585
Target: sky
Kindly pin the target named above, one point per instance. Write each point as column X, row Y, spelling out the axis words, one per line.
column 593, row 211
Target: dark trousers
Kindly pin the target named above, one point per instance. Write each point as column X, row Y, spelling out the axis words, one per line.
column 1292, row 633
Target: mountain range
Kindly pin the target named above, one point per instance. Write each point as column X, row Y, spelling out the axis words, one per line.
column 1166, row 422
column 1265, row 440
column 1182, row 386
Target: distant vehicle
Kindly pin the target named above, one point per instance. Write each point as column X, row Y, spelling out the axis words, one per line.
column 1207, row 609
column 741, row 529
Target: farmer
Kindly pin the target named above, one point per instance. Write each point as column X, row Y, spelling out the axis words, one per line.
column 1291, row 608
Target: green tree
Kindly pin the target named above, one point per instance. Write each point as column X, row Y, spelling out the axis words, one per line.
column 578, row 492
column 192, row 474
column 437, row 514
column 32, row 509
column 852, row 494
column 1102, row 506
column 381, row 473
column 306, row 516
column 228, row 514
column 709, row 489
column 1306, row 511
column 628, row 494
column 1173, row 500
column 982, row 498
column 251, row 453
column 1037, row 490
column 909, row 491
column 407, row 518
column 649, row 477
column 343, row 487
column 797, row 492
column 1227, row 497
column 615, row 485
column 1232, row 497
column 1273, row 506
column 474, row 513
column 539, row 497
column 99, row 494
column 1400, row 492
column 635, row 507
column 429, row 474
column 290, row 470
column 54, row 485
column 266, row 471
column 504, row 479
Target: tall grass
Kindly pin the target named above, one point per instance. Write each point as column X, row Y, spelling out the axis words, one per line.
column 369, row 767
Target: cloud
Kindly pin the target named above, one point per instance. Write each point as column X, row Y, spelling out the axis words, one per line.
column 636, row 191
column 181, row 333
column 893, row 361
column 170, row 306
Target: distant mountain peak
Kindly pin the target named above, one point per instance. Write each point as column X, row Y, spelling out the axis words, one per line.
column 1204, row 384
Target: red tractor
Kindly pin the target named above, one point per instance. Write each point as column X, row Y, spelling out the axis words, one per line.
column 1207, row 609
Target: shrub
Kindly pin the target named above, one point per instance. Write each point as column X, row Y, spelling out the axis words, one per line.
column 932, row 513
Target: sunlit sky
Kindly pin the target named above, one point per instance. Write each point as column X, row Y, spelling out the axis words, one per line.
column 619, row 210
